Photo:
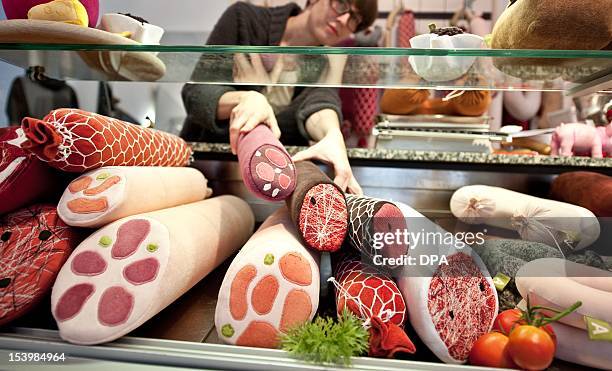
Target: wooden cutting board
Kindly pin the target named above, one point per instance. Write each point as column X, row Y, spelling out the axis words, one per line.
column 118, row 65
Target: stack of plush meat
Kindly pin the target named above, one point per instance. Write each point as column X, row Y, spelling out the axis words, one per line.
column 153, row 233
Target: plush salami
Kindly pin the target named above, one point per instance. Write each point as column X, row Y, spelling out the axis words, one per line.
column 76, row 141
column 574, row 345
column 368, row 217
column 34, row 244
column 23, row 177
column 318, row 208
column 451, row 303
column 593, row 191
column 271, row 286
column 130, row 270
column 375, row 298
column 266, row 167
column 561, row 225
column 110, row 193
column 558, row 283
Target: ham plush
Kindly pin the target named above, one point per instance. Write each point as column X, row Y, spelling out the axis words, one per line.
column 271, row 286
column 128, row 271
column 374, row 297
column 34, row 244
column 107, row 194
column 558, row 284
column 561, row 225
column 593, row 191
column 76, row 141
column 369, row 217
column 23, row 177
column 318, row 208
column 450, row 305
column 266, row 167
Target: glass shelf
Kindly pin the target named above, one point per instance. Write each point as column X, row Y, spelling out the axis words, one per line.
column 439, row 160
column 442, row 69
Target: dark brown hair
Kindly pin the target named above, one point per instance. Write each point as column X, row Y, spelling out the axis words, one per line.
column 368, row 10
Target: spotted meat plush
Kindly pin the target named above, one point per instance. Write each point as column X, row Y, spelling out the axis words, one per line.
column 110, row 193
column 76, row 141
column 271, row 286
column 34, row 244
column 318, row 208
column 267, row 169
column 130, row 270
column 451, row 304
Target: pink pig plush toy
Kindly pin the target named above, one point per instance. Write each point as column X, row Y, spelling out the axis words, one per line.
column 576, row 139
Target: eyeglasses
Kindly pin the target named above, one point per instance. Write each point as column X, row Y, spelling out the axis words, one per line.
column 342, row 7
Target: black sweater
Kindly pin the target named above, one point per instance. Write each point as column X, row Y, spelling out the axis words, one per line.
column 246, row 24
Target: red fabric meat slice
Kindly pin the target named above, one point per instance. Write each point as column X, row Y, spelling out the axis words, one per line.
column 267, row 169
column 142, row 271
column 387, row 339
column 115, row 306
column 34, row 244
column 76, row 141
column 129, row 236
column 88, row 263
column 461, row 304
column 71, row 303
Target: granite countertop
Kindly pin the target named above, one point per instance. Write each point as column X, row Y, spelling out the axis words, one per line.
column 440, row 157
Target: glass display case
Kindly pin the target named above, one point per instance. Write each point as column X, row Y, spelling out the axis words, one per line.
column 423, row 178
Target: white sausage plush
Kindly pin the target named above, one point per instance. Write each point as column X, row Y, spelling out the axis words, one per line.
column 564, row 226
column 559, row 283
column 574, row 345
column 449, row 305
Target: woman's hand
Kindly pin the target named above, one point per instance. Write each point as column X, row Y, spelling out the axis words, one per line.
column 252, row 109
column 332, row 150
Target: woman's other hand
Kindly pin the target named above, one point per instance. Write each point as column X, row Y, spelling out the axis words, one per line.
column 330, row 149
column 252, row 109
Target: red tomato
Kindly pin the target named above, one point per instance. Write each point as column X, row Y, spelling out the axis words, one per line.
column 507, row 320
column 490, row 350
column 532, row 348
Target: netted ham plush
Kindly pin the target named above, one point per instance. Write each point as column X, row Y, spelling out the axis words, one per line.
column 561, row 225
column 373, row 296
column 452, row 303
column 266, row 167
column 23, row 177
column 368, row 216
column 271, row 286
column 128, row 271
column 76, row 141
column 318, row 208
column 110, row 193
column 34, row 244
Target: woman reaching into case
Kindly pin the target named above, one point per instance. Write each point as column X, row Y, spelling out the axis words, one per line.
column 303, row 115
